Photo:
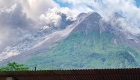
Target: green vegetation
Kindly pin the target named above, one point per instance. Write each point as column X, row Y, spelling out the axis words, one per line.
column 14, row 67
column 91, row 50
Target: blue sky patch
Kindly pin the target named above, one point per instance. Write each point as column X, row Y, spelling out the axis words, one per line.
column 62, row 4
column 138, row 3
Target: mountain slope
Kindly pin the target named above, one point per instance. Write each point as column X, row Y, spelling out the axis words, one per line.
column 92, row 44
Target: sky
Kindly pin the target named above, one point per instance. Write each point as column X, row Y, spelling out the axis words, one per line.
column 138, row 3
column 62, row 4
column 20, row 17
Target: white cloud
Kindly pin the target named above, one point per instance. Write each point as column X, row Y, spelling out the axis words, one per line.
column 128, row 9
column 107, row 8
column 33, row 8
column 54, row 16
column 73, row 12
column 16, row 15
column 127, row 26
column 12, row 20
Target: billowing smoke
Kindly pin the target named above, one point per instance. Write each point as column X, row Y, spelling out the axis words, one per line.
column 19, row 18
column 52, row 17
column 56, row 17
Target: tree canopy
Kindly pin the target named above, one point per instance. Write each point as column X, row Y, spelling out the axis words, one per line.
column 13, row 66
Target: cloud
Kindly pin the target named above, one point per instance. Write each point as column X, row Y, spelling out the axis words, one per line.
column 126, row 8
column 58, row 17
column 17, row 15
column 125, row 26
column 7, row 3
column 21, row 17
column 14, row 17
column 107, row 8
column 71, row 12
column 28, row 13
column 52, row 16
column 33, row 8
column 12, row 21
column 79, row 5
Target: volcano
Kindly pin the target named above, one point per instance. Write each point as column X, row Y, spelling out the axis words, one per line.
column 90, row 42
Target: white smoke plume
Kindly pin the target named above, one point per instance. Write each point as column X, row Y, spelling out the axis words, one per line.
column 54, row 16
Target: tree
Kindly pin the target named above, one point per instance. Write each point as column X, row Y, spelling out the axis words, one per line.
column 14, row 67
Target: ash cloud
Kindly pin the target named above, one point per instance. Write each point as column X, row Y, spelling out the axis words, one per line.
column 22, row 17
column 58, row 18
column 12, row 21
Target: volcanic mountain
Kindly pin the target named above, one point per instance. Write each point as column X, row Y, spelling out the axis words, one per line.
column 88, row 42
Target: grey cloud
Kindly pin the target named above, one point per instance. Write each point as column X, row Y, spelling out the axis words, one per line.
column 56, row 18
column 15, row 18
column 7, row 3
column 12, row 21
column 17, row 15
column 33, row 8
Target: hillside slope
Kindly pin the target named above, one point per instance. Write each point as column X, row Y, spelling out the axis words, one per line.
column 92, row 44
